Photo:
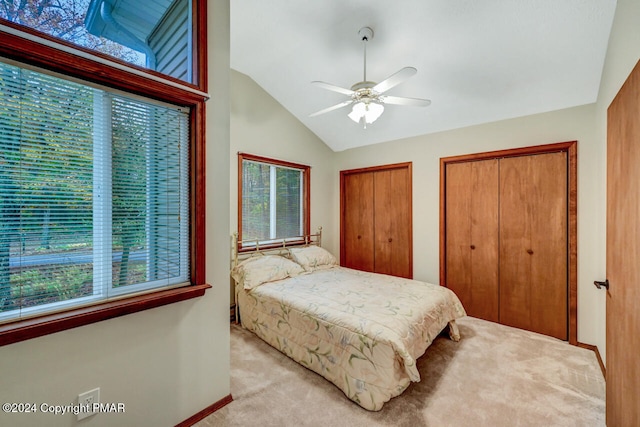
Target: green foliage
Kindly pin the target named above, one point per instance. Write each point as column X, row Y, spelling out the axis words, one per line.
column 38, row 286
column 64, row 19
column 130, row 141
column 256, row 201
column 47, row 169
column 46, row 172
column 136, row 273
column 44, row 129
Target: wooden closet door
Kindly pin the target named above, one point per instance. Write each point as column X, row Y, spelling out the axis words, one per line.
column 357, row 221
column 472, row 236
column 392, row 207
column 533, row 243
column 623, row 251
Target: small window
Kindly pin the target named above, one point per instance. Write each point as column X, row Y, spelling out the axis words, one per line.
column 273, row 200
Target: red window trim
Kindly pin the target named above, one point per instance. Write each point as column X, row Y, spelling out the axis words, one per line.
column 306, row 196
column 36, row 54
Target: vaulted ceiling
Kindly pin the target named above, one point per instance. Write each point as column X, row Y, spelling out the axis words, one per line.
column 478, row 61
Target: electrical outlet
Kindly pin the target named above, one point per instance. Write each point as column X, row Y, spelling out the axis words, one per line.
column 86, row 401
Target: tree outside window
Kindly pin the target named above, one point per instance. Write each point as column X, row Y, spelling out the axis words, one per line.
column 273, row 201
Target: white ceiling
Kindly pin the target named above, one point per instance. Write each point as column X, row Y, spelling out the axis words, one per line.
column 478, row 61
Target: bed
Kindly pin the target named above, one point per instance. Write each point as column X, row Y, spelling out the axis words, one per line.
column 361, row 331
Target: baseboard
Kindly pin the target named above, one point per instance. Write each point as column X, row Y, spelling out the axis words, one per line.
column 206, row 412
column 595, row 350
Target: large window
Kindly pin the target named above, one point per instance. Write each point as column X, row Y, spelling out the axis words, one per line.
column 273, row 200
column 101, row 166
column 93, row 193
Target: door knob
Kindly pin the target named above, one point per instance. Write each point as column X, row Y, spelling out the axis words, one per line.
column 473, row 246
column 359, row 237
column 390, row 239
column 529, row 251
column 601, row 285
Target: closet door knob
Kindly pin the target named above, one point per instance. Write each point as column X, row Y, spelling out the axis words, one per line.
column 473, row 246
column 390, row 239
column 359, row 237
column 529, row 251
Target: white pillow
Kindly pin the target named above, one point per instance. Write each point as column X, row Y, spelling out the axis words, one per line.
column 257, row 270
column 313, row 258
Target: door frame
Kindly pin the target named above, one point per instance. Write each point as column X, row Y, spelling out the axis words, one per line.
column 571, row 148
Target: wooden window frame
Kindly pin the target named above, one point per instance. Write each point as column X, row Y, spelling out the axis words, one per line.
column 306, row 194
column 68, row 59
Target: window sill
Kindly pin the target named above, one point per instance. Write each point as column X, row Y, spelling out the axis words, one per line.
column 44, row 325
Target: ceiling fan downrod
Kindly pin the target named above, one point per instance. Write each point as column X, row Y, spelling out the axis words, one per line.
column 366, row 34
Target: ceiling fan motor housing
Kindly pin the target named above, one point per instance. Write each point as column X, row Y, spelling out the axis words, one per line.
column 363, row 91
column 363, row 85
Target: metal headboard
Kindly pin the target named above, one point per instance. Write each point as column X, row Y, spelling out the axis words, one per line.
column 243, row 249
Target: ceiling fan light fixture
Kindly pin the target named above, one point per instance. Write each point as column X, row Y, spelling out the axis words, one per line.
column 367, row 97
column 369, row 111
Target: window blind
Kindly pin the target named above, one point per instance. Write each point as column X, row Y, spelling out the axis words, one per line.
column 272, row 201
column 93, row 194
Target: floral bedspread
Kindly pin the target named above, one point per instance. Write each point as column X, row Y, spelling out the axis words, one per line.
column 361, row 331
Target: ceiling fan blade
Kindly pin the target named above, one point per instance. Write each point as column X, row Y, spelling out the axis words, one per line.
column 398, row 100
column 333, row 107
column 395, row 79
column 334, row 88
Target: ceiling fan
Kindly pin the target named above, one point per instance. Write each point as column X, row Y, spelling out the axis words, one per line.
column 367, row 97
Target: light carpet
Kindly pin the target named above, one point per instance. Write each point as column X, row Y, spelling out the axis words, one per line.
column 495, row 376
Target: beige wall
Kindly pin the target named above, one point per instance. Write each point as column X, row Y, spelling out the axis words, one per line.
column 623, row 53
column 261, row 126
column 425, row 152
column 164, row 364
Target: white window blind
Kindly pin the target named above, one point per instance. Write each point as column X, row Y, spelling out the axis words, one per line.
column 93, row 194
column 272, row 202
